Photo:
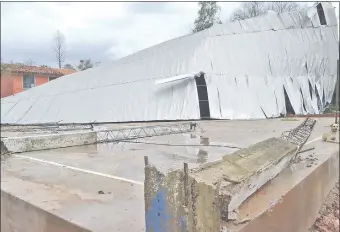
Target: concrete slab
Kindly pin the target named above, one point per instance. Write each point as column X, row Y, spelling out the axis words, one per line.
column 291, row 201
column 72, row 194
column 75, row 196
column 48, row 141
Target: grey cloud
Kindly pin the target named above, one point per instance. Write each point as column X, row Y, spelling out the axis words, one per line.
column 150, row 8
column 94, row 51
column 44, row 54
column 28, row 28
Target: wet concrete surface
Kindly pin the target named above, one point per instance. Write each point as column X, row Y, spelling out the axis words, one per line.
column 73, row 194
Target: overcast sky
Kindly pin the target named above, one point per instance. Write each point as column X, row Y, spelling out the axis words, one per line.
column 102, row 31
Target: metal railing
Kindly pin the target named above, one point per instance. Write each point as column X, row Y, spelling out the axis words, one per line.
column 300, row 134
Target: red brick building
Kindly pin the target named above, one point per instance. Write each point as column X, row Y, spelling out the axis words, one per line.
column 17, row 78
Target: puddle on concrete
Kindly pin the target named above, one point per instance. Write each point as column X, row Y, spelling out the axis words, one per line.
column 190, row 148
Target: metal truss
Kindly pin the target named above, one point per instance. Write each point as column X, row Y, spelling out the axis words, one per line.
column 122, row 134
column 301, row 133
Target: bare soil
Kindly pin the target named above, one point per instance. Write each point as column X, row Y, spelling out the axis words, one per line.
column 328, row 219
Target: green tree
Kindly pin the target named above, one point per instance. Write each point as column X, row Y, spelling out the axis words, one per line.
column 208, row 15
column 84, row 64
column 69, row 66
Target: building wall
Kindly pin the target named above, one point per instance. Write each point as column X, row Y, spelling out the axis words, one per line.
column 39, row 80
column 13, row 84
column 17, row 84
column 6, row 86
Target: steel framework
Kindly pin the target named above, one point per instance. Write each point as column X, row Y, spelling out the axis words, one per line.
column 301, row 133
column 115, row 135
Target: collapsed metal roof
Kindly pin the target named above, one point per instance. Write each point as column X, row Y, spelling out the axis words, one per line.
column 246, row 66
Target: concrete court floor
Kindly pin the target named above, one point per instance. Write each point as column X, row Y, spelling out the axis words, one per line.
column 66, row 181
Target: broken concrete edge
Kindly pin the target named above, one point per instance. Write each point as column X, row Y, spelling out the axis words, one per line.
column 256, row 181
column 14, row 210
column 275, row 153
column 50, row 141
column 175, row 201
column 4, row 149
column 327, row 115
column 305, row 197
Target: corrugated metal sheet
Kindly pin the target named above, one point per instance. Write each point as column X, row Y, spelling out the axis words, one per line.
column 246, row 66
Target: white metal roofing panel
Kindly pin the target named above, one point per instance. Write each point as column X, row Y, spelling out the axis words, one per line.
column 275, row 21
column 249, row 25
column 237, row 64
column 37, row 111
column 18, row 111
column 6, row 107
column 176, row 78
column 287, row 20
column 328, row 9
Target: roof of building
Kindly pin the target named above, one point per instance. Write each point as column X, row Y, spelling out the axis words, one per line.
column 246, row 64
column 20, row 68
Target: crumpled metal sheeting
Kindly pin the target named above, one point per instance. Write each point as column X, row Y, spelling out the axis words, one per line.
column 281, row 53
column 243, row 98
column 274, row 21
column 237, row 63
column 246, row 98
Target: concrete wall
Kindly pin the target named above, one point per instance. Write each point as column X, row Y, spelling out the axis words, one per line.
column 298, row 208
column 20, row 216
column 290, row 203
column 11, row 83
column 6, row 85
column 201, row 200
column 49, row 141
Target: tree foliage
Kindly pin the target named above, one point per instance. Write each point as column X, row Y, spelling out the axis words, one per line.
column 248, row 10
column 208, row 15
column 59, row 48
column 84, row 64
column 253, row 9
column 281, row 7
column 69, row 66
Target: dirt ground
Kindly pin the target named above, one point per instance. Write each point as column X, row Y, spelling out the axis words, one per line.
column 328, row 219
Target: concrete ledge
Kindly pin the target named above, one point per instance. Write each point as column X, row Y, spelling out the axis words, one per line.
column 21, row 216
column 276, row 208
column 327, row 115
column 240, row 174
column 48, row 141
column 204, row 198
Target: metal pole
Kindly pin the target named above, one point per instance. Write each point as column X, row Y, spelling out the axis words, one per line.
column 186, row 185
column 337, row 95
